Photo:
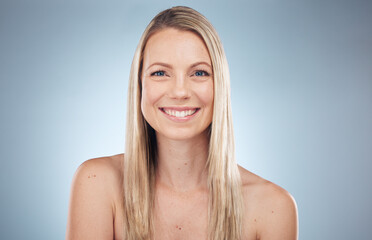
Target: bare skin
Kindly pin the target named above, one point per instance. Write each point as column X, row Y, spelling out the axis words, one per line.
column 96, row 207
column 183, row 78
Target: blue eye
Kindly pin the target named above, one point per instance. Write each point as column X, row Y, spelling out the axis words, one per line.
column 201, row 73
column 158, row 73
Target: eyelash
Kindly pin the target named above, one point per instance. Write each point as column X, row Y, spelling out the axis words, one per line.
column 153, row 74
column 206, row 74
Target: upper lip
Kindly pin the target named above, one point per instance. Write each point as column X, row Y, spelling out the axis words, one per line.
column 179, row 108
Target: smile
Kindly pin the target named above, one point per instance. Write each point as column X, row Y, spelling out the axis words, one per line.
column 179, row 113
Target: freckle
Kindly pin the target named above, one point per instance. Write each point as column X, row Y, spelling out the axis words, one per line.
column 179, row 229
column 255, row 220
column 185, row 163
column 272, row 211
column 178, row 168
column 94, row 175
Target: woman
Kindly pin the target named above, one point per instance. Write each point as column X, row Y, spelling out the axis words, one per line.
column 178, row 178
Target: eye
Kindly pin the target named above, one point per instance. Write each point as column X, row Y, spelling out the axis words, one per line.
column 158, row 73
column 201, row 73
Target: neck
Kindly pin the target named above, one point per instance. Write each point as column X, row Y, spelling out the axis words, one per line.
column 181, row 163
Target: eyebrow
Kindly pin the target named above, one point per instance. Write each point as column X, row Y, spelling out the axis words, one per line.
column 170, row 66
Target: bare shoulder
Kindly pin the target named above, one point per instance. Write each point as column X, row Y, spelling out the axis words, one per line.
column 103, row 173
column 263, row 190
column 93, row 198
column 270, row 207
column 109, row 167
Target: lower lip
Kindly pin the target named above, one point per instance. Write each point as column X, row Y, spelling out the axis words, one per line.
column 180, row 119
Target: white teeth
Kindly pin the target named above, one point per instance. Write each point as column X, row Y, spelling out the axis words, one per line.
column 179, row 113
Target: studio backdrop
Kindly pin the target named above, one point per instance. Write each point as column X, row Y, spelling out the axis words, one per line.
column 301, row 78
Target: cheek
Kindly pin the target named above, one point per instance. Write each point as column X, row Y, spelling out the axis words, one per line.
column 151, row 93
column 206, row 93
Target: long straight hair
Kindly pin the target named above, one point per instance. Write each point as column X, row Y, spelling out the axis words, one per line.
column 225, row 197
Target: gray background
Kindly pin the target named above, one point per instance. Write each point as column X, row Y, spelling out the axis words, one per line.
column 301, row 76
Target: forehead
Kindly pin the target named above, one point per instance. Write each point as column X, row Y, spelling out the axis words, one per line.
column 175, row 46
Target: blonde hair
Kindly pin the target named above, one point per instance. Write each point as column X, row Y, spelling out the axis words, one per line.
column 225, row 197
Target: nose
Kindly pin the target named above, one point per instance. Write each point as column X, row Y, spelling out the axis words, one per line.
column 180, row 88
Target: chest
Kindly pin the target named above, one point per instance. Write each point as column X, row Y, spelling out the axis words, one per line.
column 181, row 217
column 184, row 218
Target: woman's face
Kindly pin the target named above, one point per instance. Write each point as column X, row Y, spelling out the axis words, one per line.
column 177, row 84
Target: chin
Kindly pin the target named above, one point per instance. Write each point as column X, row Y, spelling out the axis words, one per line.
column 182, row 134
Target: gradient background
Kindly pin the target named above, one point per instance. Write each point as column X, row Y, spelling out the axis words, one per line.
column 301, row 76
